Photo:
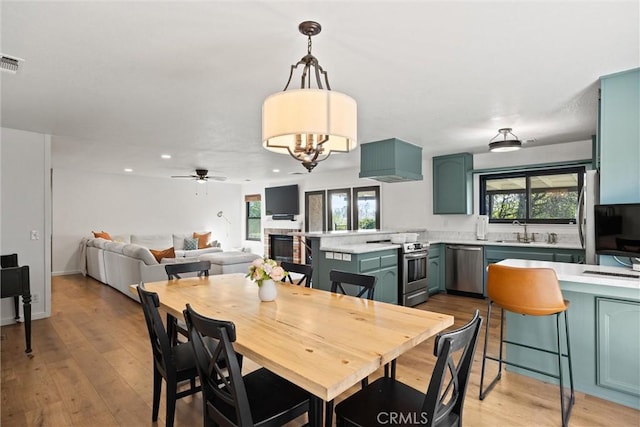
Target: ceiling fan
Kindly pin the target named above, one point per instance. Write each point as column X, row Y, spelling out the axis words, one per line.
column 202, row 176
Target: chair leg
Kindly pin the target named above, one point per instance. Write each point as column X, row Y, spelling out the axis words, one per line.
column 485, row 391
column 566, row 325
column 328, row 414
column 171, row 404
column 565, row 411
column 157, row 389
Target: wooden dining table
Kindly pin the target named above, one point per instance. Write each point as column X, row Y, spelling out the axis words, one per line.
column 321, row 341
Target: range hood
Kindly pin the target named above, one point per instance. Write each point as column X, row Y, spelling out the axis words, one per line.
column 391, row 160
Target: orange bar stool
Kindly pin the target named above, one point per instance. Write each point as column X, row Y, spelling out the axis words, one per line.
column 532, row 292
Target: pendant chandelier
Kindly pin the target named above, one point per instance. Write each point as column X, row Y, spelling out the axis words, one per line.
column 505, row 144
column 309, row 123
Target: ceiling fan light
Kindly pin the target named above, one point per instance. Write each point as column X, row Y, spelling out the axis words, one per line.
column 504, row 145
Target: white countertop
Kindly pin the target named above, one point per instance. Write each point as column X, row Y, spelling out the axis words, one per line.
column 560, row 245
column 576, row 273
column 360, row 248
column 353, row 232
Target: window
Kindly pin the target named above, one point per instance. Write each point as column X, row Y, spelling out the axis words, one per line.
column 315, row 214
column 541, row 196
column 254, row 216
column 339, row 209
column 366, row 212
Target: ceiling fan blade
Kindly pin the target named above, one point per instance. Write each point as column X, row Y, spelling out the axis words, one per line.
column 184, row 176
column 216, row 178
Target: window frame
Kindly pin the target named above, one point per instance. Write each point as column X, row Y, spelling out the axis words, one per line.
column 252, row 198
column 330, row 208
column 527, row 174
column 355, row 210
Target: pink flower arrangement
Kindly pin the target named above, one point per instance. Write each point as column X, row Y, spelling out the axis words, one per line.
column 265, row 269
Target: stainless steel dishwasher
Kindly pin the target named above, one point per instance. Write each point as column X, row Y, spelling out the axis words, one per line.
column 464, row 273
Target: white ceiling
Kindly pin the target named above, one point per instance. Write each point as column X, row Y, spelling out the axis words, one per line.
column 118, row 84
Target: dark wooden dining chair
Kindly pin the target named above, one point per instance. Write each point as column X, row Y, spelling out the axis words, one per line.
column 442, row 403
column 365, row 283
column 174, row 270
column 260, row 398
column 174, row 363
column 304, row 269
column 176, row 326
column 365, row 286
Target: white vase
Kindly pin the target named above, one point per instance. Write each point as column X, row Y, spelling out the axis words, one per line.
column 268, row 291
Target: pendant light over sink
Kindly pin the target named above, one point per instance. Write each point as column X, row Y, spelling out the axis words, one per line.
column 506, row 144
column 307, row 123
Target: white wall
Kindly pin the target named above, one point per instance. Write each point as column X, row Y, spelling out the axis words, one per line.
column 26, row 206
column 129, row 204
column 410, row 204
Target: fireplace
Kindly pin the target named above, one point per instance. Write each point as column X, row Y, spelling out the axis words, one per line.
column 292, row 249
column 281, row 247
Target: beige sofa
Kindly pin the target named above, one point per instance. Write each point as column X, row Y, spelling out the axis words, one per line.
column 128, row 260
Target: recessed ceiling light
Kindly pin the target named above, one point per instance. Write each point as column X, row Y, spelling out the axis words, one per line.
column 276, row 170
column 128, row 170
column 166, row 156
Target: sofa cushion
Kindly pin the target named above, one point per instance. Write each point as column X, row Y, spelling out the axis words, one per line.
column 97, row 243
column 101, row 234
column 190, row 244
column 116, row 247
column 178, row 240
column 165, row 253
column 231, row 257
column 139, row 252
column 203, row 239
column 196, row 253
column 153, row 241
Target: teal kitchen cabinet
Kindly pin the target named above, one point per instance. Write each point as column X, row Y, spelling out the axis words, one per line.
column 435, row 269
column 495, row 254
column 618, row 350
column 382, row 264
column 605, row 342
column 619, row 136
column 453, row 184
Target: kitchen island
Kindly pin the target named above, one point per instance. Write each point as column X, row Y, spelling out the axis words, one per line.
column 365, row 251
column 604, row 327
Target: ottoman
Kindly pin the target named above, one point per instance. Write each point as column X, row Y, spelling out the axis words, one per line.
column 229, row 262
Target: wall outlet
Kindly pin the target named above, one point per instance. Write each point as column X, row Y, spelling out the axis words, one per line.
column 35, row 298
column 35, row 235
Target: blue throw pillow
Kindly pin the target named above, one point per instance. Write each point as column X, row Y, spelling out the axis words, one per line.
column 190, row 244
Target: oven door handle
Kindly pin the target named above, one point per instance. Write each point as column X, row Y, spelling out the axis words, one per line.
column 416, row 256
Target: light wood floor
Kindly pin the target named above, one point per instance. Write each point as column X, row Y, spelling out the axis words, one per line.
column 91, row 366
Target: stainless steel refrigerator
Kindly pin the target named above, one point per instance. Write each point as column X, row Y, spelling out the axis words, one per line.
column 589, row 197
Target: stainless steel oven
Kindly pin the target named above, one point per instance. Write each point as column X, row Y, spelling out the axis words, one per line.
column 412, row 287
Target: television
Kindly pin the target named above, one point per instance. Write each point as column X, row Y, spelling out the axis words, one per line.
column 282, row 200
column 617, row 229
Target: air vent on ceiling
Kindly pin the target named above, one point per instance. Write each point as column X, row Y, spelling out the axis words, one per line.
column 9, row 64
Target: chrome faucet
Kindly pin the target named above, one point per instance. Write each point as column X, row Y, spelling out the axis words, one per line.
column 525, row 238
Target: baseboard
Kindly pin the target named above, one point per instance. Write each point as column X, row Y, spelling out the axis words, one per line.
column 65, row 273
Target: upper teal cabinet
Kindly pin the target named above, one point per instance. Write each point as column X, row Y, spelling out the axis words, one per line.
column 453, row 184
column 620, row 137
column 391, row 160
